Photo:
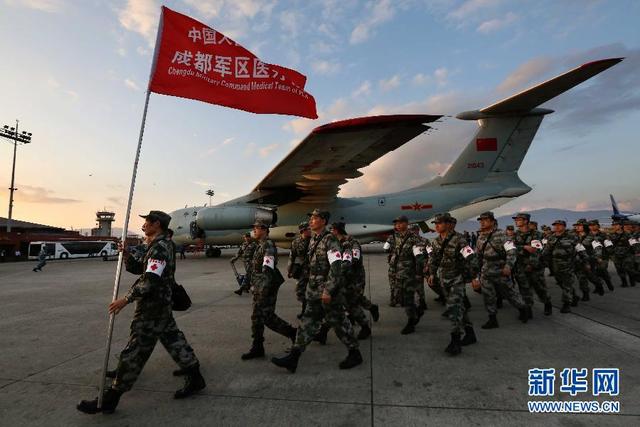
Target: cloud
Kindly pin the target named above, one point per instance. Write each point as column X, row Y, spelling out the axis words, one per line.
column 289, row 21
column 421, row 79
column 470, row 8
column 33, row 194
column 441, row 76
column 496, row 24
column 390, row 83
column 526, row 73
column 202, row 183
column 228, row 141
column 131, row 84
column 41, row 5
column 325, row 67
column 266, row 151
column 141, row 16
column 379, row 13
column 363, row 90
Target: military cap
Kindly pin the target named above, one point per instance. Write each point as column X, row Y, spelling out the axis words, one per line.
column 303, row 225
column 559, row 221
column 401, row 218
column 247, row 234
column 581, row 221
column 453, row 220
column 260, row 224
column 522, row 215
column 322, row 214
column 340, row 227
column 443, row 217
column 487, row 215
column 163, row 217
column 594, row 222
column 533, row 223
column 510, row 227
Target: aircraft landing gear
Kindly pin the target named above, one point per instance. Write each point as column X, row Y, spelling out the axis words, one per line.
column 213, row 252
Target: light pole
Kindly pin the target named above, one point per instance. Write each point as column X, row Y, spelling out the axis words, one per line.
column 23, row 138
column 209, row 193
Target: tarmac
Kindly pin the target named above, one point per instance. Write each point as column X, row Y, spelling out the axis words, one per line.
column 53, row 330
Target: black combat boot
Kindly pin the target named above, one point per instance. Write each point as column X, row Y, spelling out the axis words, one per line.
column 565, row 308
column 256, row 351
column 599, row 289
column 492, row 323
column 354, row 358
column 238, row 292
column 524, row 314
column 291, row 334
column 410, row 327
column 365, row 332
column 548, row 308
column 111, row 374
column 110, row 400
column 585, row 296
column 375, row 312
column 290, row 361
column 321, row 336
column 454, row 347
column 467, row 303
column 193, row 383
column 469, row 336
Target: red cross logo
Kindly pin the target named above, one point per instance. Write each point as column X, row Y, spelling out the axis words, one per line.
column 154, row 267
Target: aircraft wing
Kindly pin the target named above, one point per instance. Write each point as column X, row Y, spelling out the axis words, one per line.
column 314, row 170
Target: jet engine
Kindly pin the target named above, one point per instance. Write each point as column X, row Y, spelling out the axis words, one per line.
column 230, row 218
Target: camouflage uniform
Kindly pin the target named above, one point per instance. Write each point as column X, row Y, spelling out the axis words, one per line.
column 406, row 260
column 394, row 293
column 585, row 272
column 297, row 266
column 602, row 264
column 495, row 252
column 527, row 269
column 152, row 319
column 354, row 280
column 623, row 256
column 265, row 293
column 560, row 253
column 420, row 292
column 246, row 253
column 458, row 259
column 325, row 274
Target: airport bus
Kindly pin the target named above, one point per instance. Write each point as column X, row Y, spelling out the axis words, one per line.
column 74, row 249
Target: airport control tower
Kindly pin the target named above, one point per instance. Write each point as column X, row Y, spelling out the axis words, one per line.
column 104, row 220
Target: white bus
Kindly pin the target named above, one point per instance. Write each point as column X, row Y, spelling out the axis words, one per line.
column 74, row 249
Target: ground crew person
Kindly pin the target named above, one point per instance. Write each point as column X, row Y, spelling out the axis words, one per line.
column 42, row 259
column 452, row 258
column 496, row 260
column 297, row 267
column 529, row 249
column 354, row 275
column 585, row 272
column 561, row 252
column 265, row 286
column 245, row 252
column 406, row 260
column 325, row 296
column 602, row 264
column 152, row 320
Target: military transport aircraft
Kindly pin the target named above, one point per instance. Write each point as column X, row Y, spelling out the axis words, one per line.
column 619, row 215
column 483, row 177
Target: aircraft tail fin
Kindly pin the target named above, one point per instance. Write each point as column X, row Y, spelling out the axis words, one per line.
column 507, row 128
column 614, row 206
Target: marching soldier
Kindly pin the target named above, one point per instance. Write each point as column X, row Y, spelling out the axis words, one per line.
column 246, row 252
column 560, row 252
column 497, row 259
column 354, row 276
column 424, row 242
column 630, row 227
column 325, row 297
column 394, row 293
column 537, row 276
column 585, row 272
column 407, row 262
column 602, row 263
column 152, row 320
column 622, row 251
column 452, row 258
column 265, row 283
column 529, row 249
column 297, row 267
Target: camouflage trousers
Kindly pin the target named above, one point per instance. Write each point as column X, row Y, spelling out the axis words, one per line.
column 437, row 287
column 602, row 271
column 420, row 291
column 530, row 281
column 457, row 313
column 333, row 315
column 301, row 288
column 494, row 285
column 566, row 279
column 585, row 276
column 142, row 340
column 625, row 266
column 246, row 285
column 264, row 313
column 408, row 287
column 394, row 292
column 357, row 302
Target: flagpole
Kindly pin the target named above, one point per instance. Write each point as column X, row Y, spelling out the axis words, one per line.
column 125, row 230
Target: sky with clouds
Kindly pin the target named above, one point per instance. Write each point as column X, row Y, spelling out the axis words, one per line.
column 74, row 73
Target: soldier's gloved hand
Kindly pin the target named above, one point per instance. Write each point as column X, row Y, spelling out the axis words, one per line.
column 326, row 298
column 506, row 271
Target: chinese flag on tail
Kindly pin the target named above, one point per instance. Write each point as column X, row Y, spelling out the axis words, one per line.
column 194, row 61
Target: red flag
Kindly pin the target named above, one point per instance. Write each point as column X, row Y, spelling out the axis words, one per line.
column 195, row 61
